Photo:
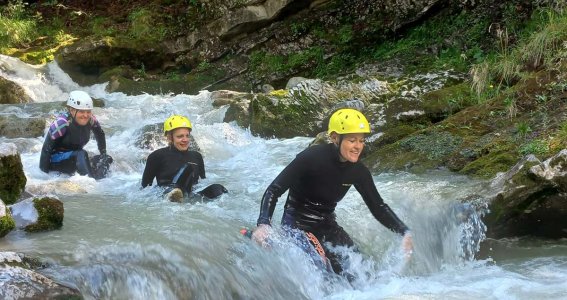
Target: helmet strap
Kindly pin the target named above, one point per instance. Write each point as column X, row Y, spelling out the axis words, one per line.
column 337, row 144
column 74, row 116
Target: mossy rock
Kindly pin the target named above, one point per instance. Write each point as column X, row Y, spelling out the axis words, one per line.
column 272, row 116
column 497, row 157
column 12, row 178
column 12, row 126
column 12, row 93
column 7, row 224
column 440, row 104
column 50, row 215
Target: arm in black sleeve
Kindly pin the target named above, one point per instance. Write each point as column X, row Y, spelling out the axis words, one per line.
column 46, row 150
column 150, row 170
column 277, row 188
column 99, row 136
column 201, row 165
column 380, row 210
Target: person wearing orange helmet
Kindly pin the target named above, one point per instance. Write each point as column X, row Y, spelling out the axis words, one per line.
column 175, row 167
column 317, row 179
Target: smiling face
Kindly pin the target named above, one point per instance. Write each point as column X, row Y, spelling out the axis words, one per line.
column 350, row 147
column 81, row 116
column 179, row 138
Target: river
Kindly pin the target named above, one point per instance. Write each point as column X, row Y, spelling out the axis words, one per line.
column 122, row 242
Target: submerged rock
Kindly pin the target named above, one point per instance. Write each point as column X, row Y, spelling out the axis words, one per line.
column 18, row 281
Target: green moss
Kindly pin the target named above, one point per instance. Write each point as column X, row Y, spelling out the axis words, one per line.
column 490, row 164
column 12, row 178
column 50, row 215
column 434, row 144
column 286, row 117
column 441, row 103
column 7, row 224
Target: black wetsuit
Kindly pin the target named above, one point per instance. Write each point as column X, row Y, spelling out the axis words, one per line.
column 164, row 164
column 63, row 146
column 317, row 180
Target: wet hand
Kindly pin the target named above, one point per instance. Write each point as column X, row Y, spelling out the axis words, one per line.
column 407, row 246
column 261, row 233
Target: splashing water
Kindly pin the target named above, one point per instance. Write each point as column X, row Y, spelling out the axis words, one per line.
column 122, row 242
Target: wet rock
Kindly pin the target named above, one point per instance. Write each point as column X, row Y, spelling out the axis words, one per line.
column 267, row 88
column 531, row 199
column 38, row 214
column 12, row 126
column 294, row 81
column 7, row 223
column 12, row 177
column 11, row 92
column 19, row 281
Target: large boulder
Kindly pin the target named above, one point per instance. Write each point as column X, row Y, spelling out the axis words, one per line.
column 531, row 199
column 38, row 214
column 11, row 92
column 19, row 281
column 12, row 177
column 12, row 126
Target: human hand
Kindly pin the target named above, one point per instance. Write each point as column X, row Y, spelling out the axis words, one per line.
column 261, row 233
column 407, row 246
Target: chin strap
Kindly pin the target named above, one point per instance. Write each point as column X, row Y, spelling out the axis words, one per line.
column 338, row 146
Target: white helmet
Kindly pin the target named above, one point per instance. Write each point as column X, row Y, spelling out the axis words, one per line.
column 80, row 100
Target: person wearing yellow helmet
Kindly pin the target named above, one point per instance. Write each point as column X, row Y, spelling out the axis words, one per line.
column 175, row 167
column 317, row 179
column 62, row 149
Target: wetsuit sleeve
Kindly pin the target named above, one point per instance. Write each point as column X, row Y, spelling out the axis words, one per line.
column 99, row 135
column 201, row 165
column 380, row 210
column 46, row 150
column 150, row 171
column 281, row 184
column 56, row 130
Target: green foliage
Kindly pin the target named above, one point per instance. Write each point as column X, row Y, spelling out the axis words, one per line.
column 203, row 65
column 345, row 34
column 146, row 25
column 16, row 27
column 511, row 107
column 264, row 63
column 454, row 40
column 535, row 49
column 523, row 129
column 543, row 46
column 537, row 147
column 102, row 27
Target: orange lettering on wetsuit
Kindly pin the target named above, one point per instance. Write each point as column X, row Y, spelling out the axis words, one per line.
column 317, row 245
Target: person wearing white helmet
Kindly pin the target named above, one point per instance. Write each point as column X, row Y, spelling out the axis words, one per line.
column 62, row 149
column 317, row 179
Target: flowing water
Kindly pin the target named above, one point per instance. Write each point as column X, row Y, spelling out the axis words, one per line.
column 122, row 242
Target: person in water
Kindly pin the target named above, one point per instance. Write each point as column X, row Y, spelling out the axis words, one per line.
column 175, row 167
column 62, row 149
column 317, row 179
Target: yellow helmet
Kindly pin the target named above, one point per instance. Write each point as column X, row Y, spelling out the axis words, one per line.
column 348, row 120
column 176, row 121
